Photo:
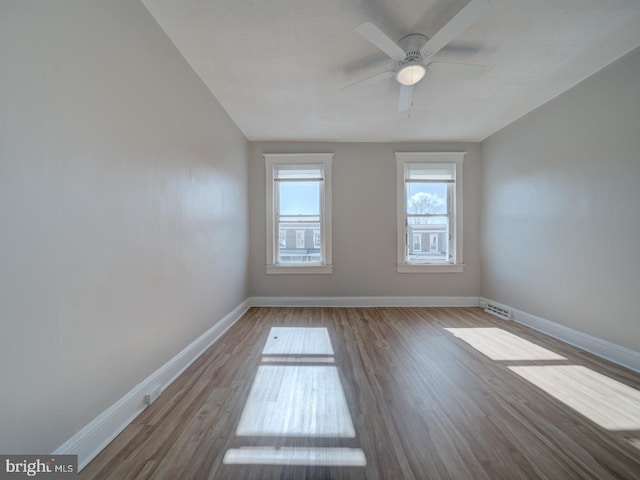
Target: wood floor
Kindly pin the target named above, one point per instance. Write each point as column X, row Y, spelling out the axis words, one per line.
column 385, row 393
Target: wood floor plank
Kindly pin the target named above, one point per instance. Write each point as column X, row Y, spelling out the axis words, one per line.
column 433, row 393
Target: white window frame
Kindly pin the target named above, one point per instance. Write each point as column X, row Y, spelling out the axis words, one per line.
column 402, row 160
column 324, row 160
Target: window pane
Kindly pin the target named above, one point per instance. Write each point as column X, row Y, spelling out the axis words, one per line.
column 299, row 219
column 439, row 220
column 428, row 242
column 426, row 198
column 301, row 242
column 299, row 198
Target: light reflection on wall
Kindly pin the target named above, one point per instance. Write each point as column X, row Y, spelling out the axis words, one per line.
column 296, row 393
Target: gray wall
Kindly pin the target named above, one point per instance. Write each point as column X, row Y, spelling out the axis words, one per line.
column 364, row 225
column 123, row 212
column 561, row 208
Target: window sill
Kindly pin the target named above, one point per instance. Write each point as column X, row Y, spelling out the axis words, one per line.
column 407, row 268
column 299, row 269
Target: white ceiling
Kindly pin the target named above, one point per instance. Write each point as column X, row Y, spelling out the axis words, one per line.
column 278, row 66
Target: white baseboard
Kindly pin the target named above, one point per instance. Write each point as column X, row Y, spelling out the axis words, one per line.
column 96, row 435
column 364, row 301
column 610, row 351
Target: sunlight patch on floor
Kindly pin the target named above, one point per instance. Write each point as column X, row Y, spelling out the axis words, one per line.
column 498, row 344
column 338, row 457
column 298, row 359
column 296, row 401
column 296, row 393
column 604, row 401
column 298, row 341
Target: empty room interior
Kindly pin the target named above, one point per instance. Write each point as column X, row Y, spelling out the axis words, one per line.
column 335, row 239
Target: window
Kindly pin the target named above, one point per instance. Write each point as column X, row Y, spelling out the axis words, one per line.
column 298, row 212
column 429, row 189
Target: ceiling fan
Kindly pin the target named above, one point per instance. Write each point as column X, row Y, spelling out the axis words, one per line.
column 413, row 52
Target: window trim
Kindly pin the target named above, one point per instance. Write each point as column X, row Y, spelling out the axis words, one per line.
column 406, row 158
column 303, row 159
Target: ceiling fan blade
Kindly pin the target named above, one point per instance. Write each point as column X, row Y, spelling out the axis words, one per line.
column 406, row 98
column 372, row 33
column 454, row 27
column 371, row 80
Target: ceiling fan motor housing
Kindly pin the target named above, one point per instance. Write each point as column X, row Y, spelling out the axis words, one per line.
column 412, row 70
column 412, row 44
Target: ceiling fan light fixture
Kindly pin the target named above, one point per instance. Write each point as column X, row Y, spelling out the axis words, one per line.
column 411, row 74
